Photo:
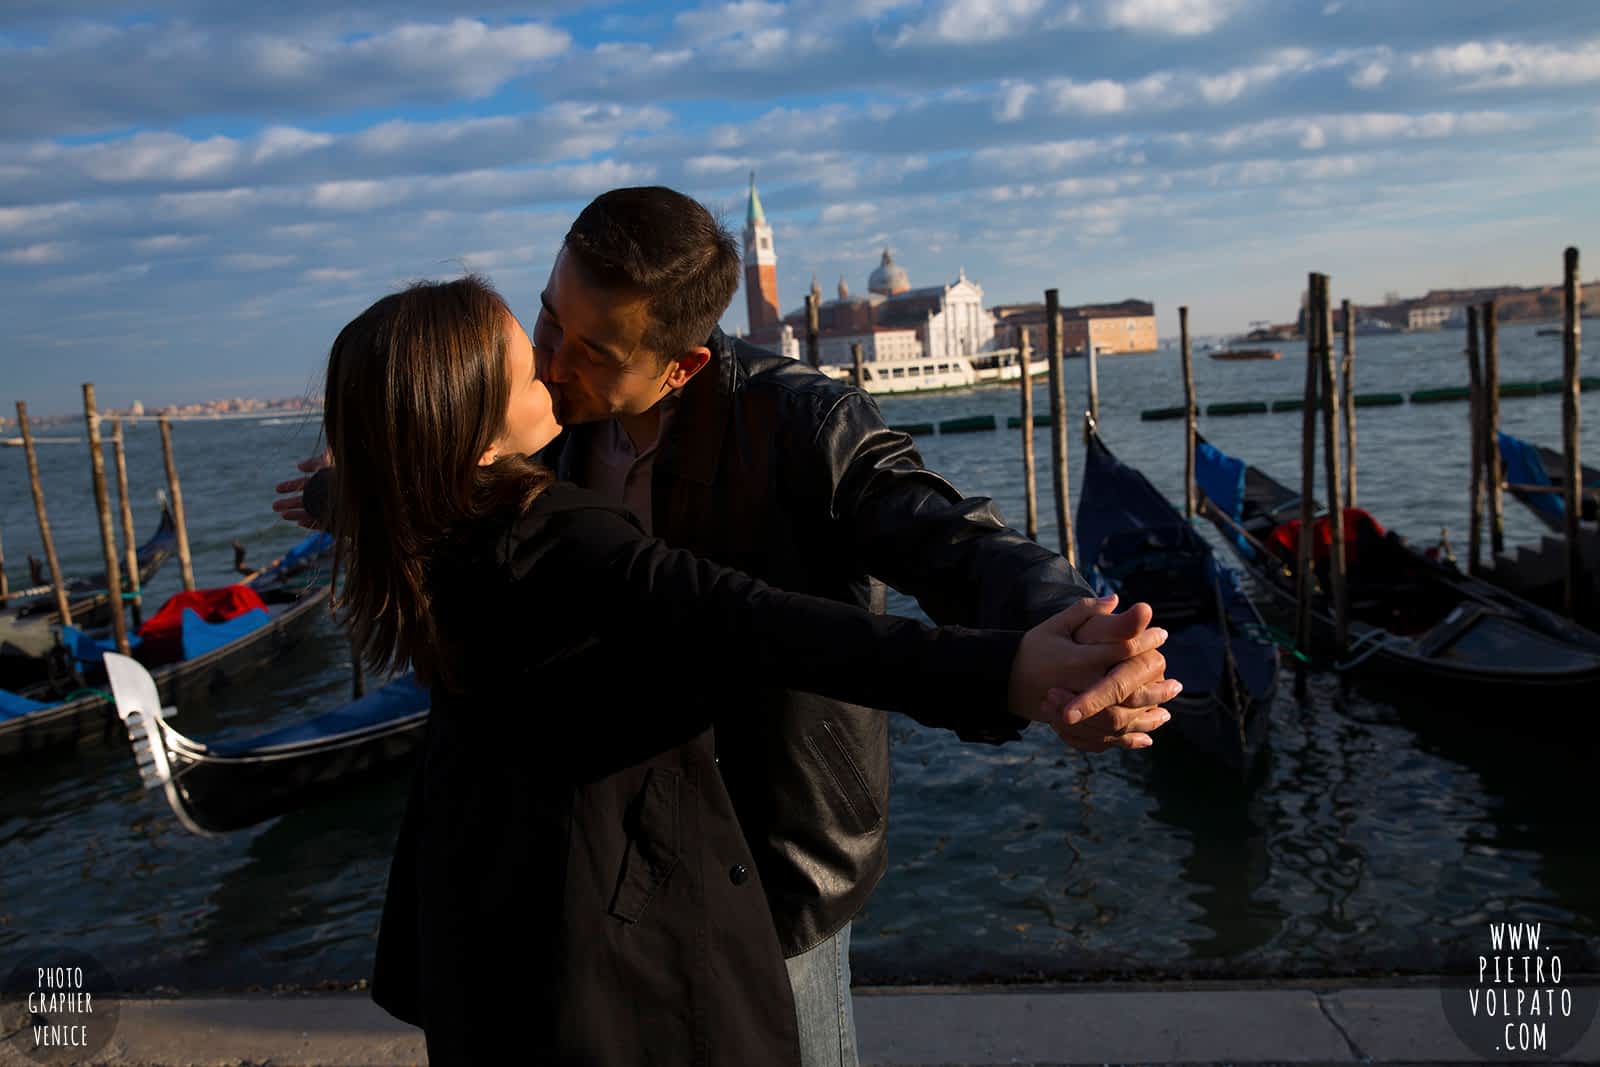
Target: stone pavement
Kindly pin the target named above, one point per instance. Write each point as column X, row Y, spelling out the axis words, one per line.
column 1188, row 1023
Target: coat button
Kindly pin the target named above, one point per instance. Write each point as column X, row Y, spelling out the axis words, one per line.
column 739, row 874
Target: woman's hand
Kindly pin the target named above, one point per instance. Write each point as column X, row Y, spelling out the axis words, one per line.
column 290, row 504
column 1093, row 695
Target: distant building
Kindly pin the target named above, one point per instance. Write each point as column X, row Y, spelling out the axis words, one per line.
column 760, row 265
column 892, row 322
column 1128, row 326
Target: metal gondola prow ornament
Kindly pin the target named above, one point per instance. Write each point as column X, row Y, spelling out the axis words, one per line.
column 139, row 708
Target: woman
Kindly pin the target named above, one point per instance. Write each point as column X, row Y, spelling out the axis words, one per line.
column 571, row 883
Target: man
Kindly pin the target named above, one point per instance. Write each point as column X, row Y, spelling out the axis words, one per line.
column 760, row 463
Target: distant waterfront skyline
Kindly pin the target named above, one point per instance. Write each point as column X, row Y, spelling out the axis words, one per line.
column 196, row 199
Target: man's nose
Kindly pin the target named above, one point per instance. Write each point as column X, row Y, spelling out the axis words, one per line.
column 553, row 366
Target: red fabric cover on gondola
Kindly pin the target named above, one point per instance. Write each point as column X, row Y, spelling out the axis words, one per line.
column 1359, row 528
column 163, row 631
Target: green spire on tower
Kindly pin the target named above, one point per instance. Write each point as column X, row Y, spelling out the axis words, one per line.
column 754, row 216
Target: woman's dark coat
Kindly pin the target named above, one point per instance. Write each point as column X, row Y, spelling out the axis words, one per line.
column 571, row 884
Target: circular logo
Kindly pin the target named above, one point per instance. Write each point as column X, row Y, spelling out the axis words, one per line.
column 59, row 1007
column 1512, row 999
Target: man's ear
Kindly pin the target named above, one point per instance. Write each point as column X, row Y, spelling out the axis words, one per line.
column 687, row 366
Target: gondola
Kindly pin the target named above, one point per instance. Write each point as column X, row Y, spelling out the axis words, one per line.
column 29, row 615
column 86, row 597
column 1524, row 463
column 1140, row 547
column 1413, row 620
column 40, row 719
column 222, row 786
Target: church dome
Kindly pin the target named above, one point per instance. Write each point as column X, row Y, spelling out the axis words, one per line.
column 890, row 278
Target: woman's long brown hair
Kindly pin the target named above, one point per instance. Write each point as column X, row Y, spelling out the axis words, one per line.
column 417, row 391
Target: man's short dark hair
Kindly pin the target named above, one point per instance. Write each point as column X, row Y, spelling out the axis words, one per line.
column 664, row 246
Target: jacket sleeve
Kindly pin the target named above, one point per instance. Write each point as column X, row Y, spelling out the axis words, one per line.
column 620, row 583
column 913, row 530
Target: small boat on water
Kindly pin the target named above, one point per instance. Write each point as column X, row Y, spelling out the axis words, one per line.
column 1527, row 468
column 1247, row 353
column 1414, row 620
column 220, row 786
column 17, row 442
column 86, row 597
column 209, row 655
column 29, row 619
column 908, row 375
column 1140, row 547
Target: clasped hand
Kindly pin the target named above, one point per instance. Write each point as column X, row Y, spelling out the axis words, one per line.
column 1095, row 678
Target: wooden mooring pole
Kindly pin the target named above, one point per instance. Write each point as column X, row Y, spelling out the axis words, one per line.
column 1025, row 384
column 856, row 363
column 813, row 350
column 5, row 586
column 1094, row 388
column 1347, row 375
column 1332, row 455
column 1305, row 579
column 1190, row 415
column 102, row 507
column 1475, row 494
column 175, row 491
column 1491, row 426
column 1058, row 423
column 60, row 588
column 130, row 550
column 1571, row 328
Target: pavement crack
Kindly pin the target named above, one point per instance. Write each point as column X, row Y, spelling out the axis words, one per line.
column 1355, row 1049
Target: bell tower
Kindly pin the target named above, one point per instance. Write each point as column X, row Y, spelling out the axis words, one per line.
column 760, row 266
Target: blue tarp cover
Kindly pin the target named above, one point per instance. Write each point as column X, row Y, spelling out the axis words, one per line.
column 1221, row 478
column 1524, row 467
column 397, row 700
column 86, row 649
column 12, row 705
column 200, row 637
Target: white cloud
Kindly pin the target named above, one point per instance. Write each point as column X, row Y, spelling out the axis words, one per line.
column 331, row 274
column 963, row 22
column 44, row 252
column 254, row 261
column 1101, row 97
column 1014, row 100
column 1370, row 75
column 1506, row 65
column 722, row 20
column 1177, row 17
column 149, row 72
column 281, row 142
column 854, row 214
column 167, row 242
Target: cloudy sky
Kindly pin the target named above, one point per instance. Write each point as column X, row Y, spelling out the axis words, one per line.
column 194, row 200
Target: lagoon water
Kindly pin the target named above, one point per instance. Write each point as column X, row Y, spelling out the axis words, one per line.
column 1381, row 835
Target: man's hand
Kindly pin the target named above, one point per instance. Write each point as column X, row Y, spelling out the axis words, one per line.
column 289, row 503
column 1094, row 695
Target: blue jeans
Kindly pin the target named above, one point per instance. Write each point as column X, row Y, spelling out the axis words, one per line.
column 820, row 979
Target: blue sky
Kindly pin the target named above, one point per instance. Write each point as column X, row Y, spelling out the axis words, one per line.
column 194, row 200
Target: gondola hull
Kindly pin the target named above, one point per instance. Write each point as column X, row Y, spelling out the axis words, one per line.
column 90, row 717
column 221, row 787
column 27, row 622
column 1139, row 546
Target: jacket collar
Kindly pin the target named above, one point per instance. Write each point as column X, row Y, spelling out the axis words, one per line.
column 693, row 439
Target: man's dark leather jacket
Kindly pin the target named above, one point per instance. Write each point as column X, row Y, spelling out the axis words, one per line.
column 772, row 468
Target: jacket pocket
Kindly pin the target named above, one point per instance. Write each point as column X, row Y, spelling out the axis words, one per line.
column 651, row 824
column 855, row 807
